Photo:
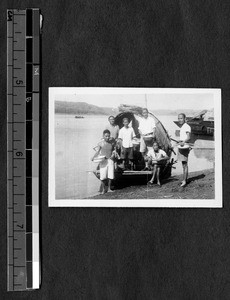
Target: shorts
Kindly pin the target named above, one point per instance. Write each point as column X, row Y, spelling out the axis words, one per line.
column 182, row 154
column 106, row 169
column 145, row 145
column 126, row 153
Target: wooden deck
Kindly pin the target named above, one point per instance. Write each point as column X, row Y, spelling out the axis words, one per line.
column 136, row 172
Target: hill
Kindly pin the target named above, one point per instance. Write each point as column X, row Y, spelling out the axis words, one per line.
column 82, row 108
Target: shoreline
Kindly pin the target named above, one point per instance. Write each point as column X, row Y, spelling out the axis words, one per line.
column 201, row 185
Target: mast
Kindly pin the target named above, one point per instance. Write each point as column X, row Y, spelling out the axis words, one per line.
column 146, row 105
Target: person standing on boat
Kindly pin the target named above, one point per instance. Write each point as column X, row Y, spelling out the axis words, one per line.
column 183, row 148
column 126, row 135
column 114, row 129
column 147, row 128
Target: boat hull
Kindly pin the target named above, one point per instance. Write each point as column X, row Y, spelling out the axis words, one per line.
column 200, row 127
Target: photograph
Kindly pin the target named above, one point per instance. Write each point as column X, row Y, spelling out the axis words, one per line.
column 135, row 147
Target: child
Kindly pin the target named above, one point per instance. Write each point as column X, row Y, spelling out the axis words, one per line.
column 126, row 134
column 106, row 166
column 155, row 158
column 185, row 133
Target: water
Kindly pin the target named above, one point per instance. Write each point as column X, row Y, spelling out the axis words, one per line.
column 74, row 142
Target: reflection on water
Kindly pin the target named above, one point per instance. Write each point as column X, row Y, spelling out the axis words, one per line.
column 74, row 142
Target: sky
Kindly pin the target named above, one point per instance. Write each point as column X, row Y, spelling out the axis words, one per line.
column 154, row 101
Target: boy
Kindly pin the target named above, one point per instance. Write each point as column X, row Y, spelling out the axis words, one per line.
column 185, row 134
column 156, row 157
column 106, row 166
column 126, row 134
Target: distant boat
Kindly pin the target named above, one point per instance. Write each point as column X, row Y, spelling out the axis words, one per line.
column 79, row 117
column 201, row 123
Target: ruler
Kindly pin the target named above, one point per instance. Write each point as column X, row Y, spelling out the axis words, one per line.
column 23, row 88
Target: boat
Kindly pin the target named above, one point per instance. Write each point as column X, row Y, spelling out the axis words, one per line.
column 134, row 113
column 79, row 117
column 201, row 123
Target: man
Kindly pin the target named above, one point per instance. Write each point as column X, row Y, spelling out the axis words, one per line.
column 114, row 129
column 146, row 127
column 183, row 149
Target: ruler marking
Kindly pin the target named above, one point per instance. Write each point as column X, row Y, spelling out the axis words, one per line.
column 18, row 194
column 12, row 139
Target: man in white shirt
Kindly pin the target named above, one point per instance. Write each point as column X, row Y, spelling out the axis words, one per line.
column 126, row 135
column 185, row 134
column 147, row 127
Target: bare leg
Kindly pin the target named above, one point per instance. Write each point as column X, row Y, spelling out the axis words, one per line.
column 103, row 187
column 109, row 186
column 146, row 168
column 185, row 173
column 158, row 176
column 100, row 188
column 131, row 163
column 154, row 173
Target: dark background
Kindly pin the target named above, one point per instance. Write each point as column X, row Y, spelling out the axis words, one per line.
column 90, row 253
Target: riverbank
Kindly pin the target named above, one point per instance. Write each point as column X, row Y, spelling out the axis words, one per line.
column 201, row 185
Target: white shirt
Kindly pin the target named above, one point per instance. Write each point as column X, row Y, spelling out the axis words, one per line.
column 126, row 134
column 156, row 155
column 146, row 125
column 183, row 131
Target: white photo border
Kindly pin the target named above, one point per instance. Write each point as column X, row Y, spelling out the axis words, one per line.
column 217, row 202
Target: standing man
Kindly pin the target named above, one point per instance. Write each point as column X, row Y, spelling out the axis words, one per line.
column 183, row 150
column 146, row 127
column 114, row 129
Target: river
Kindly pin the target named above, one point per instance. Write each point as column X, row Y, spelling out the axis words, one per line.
column 74, row 142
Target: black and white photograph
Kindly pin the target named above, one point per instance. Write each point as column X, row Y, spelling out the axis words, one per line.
column 135, row 147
